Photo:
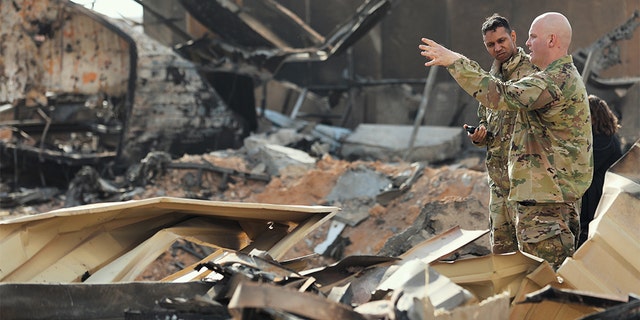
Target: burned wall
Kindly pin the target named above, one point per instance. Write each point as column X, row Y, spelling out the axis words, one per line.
column 67, row 75
column 175, row 109
column 82, row 88
column 45, row 49
column 24, row 72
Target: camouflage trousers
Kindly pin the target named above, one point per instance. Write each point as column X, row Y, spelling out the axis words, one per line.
column 502, row 222
column 548, row 230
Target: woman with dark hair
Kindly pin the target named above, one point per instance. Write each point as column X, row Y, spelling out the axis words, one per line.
column 606, row 151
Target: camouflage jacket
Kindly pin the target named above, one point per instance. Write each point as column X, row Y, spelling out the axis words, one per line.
column 500, row 122
column 551, row 156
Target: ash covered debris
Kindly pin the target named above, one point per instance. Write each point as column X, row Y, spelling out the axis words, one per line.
column 228, row 115
column 106, row 95
column 92, row 91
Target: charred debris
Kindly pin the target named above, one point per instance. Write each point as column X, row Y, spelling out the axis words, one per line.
column 88, row 262
column 96, row 110
column 86, row 90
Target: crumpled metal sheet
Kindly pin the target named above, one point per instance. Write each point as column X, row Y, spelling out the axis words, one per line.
column 266, row 34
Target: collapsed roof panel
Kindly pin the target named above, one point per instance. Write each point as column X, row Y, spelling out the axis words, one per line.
column 368, row 15
column 112, row 240
column 266, row 34
column 254, row 23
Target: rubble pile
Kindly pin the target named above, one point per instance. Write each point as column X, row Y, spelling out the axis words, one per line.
column 366, row 224
column 412, row 245
column 453, row 194
column 187, row 182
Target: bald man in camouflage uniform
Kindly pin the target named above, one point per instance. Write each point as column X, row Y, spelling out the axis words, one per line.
column 551, row 156
column 510, row 63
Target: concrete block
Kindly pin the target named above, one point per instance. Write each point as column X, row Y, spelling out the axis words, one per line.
column 391, row 143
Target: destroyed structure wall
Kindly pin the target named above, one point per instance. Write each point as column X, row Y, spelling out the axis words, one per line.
column 85, row 87
column 25, row 71
column 174, row 108
column 389, row 51
column 51, row 49
column 45, row 49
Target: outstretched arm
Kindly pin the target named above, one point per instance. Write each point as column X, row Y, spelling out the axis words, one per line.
column 530, row 92
column 437, row 54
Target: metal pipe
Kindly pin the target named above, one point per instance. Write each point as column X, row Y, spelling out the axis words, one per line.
column 428, row 86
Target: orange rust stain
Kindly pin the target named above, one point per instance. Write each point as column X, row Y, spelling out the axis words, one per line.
column 49, row 66
column 88, row 77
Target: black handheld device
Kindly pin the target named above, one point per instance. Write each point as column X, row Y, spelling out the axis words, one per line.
column 472, row 129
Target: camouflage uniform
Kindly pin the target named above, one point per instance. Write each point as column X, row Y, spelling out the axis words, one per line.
column 500, row 123
column 551, row 158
